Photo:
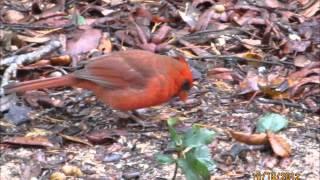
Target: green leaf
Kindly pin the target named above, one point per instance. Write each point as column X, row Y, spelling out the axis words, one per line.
column 271, row 122
column 177, row 138
column 187, row 169
column 172, row 122
column 198, row 136
column 78, row 19
column 165, row 158
column 193, row 168
column 203, row 154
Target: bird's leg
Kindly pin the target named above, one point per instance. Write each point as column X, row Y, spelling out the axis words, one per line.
column 140, row 120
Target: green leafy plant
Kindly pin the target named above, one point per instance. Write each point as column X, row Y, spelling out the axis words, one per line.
column 77, row 19
column 271, row 122
column 191, row 152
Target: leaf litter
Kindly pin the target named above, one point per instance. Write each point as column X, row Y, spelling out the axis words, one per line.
column 253, row 58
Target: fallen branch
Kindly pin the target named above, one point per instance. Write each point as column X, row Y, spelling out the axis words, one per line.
column 286, row 103
column 236, row 58
column 14, row 62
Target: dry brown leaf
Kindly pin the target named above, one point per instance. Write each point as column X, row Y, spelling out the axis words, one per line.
column 274, row 4
column 295, row 46
column 13, row 16
column 252, row 55
column 250, row 83
column 30, row 141
column 204, row 20
column 250, row 43
column 103, row 136
column 301, row 61
column 161, row 34
column 196, row 3
column 105, row 45
column 303, row 2
column 311, row 10
column 75, row 139
column 84, row 40
column 279, row 145
column 250, row 139
column 190, row 16
column 33, row 39
column 309, row 74
column 312, row 104
column 35, row 98
column 220, row 73
column 313, row 79
column 274, row 93
column 304, row 72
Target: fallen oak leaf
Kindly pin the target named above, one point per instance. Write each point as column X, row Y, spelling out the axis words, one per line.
column 311, row 9
column 75, row 139
column 279, row 145
column 161, row 34
column 221, row 73
column 105, row 136
column 30, row 141
column 83, row 40
column 313, row 79
column 250, row 83
column 105, row 44
column 309, row 69
column 250, row 139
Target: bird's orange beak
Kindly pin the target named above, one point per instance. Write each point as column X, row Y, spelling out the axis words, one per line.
column 183, row 95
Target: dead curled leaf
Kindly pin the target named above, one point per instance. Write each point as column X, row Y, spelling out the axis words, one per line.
column 311, row 10
column 295, row 46
column 221, row 73
column 250, row 139
column 30, row 141
column 37, row 98
column 161, row 34
column 204, row 20
column 104, row 136
column 105, row 44
column 75, row 139
column 84, row 40
column 312, row 79
column 279, row 145
column 301, row 61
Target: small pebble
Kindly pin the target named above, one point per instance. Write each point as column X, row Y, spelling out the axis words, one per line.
column 131, row 175
column 112, row 157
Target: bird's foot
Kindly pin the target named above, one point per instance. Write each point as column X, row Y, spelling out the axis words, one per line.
column 140, row 121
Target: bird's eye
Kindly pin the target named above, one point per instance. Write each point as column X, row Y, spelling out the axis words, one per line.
column 186, row 86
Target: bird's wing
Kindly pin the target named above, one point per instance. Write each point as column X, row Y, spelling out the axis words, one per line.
column 112, row 72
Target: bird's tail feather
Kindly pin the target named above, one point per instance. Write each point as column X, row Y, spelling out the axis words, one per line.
column 39, row 84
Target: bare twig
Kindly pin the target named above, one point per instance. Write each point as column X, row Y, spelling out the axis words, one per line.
column 286, row 103
column 33, row 27
column 236, row 58
column 15, row 61
column 175, row 171
column 32, row 56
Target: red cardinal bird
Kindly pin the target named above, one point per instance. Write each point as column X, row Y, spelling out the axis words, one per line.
column 125, row 80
